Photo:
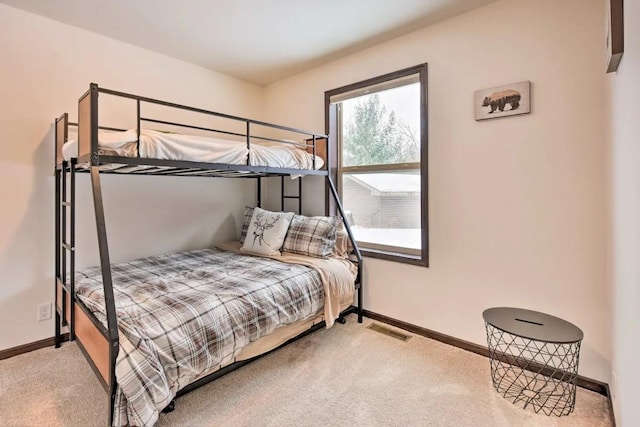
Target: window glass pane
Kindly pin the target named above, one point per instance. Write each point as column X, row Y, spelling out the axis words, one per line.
column 382, row 127
column 384, row 208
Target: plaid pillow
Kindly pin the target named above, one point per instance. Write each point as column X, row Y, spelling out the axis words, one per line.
column 246, row 220
column 312, row 236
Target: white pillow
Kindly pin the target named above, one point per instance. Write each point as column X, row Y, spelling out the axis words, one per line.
column 266, row 232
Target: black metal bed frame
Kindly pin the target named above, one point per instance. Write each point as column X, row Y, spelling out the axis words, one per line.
column 91, row 160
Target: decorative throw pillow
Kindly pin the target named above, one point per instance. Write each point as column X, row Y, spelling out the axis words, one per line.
column 246, row 220
column 266, row 232
column 312, row 236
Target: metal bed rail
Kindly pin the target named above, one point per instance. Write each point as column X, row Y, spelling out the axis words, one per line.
column 88, row 123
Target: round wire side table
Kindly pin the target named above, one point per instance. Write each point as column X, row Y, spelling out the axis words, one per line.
column 534, row 359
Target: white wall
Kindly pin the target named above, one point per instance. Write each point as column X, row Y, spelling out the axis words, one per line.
column 44, row 67
column 517, row 205
column 623, row 90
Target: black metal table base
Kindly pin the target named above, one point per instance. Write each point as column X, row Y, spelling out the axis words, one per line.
column 535, row 375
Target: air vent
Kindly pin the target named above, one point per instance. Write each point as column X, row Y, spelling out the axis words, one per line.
column 389, row 332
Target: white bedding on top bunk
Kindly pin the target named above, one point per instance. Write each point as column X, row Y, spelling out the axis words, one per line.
column 173, row 146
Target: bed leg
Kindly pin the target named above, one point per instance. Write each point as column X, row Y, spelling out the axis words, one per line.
column 341, row 319
column 57, row 336
column 360, row 304
column 111, row 412
column 170, row 407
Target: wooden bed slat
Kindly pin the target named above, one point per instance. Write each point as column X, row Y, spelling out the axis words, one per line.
column 61, row 137
column 84, row 125
column 67, row 310
column 62, row 293
column 95, row 344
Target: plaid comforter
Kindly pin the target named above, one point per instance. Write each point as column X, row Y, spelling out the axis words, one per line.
column 182, row 314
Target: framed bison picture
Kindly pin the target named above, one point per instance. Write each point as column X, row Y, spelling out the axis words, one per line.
column 501, row 101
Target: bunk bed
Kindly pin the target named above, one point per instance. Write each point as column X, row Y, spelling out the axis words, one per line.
column 114, row 311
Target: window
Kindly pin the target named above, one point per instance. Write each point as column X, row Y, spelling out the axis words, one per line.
column 379, row 137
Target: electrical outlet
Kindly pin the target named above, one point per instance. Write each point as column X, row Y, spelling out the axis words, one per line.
column 44, row 311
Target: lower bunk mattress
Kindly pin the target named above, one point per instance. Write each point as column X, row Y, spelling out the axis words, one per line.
column 183, row 315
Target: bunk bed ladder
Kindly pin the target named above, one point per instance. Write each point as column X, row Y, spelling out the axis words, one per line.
column 59, row 306
column 65, row 249
column 284, row 196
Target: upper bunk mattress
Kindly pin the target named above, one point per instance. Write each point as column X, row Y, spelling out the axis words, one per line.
column 174, row 146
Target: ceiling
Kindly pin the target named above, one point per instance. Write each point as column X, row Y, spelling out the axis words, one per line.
column 261, row 41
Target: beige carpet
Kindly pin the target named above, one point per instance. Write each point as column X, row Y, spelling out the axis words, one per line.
column 346, row 375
